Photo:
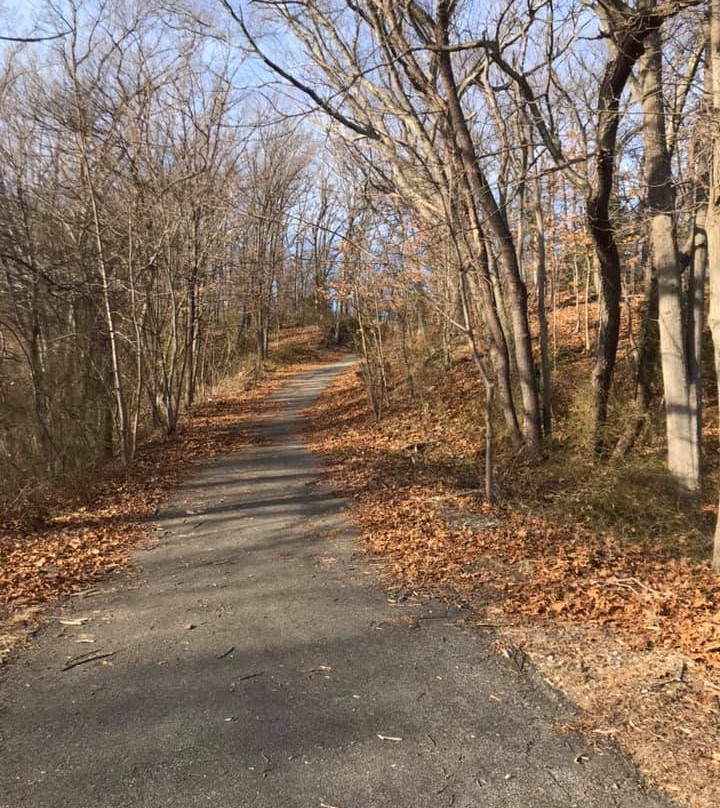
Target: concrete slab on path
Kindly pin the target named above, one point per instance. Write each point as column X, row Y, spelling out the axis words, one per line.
column 255, row 663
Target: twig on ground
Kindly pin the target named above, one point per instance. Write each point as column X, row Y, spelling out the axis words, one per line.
column 87, row 658
column 250, row 676
column 678, row 678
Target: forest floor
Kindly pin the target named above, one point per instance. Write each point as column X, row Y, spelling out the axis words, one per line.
column 628, row 629
column 68, row 541
column 251, row 660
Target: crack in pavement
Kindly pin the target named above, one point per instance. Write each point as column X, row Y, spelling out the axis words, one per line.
column 208, row 700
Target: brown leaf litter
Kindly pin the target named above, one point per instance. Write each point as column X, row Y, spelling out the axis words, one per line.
column 82, row 537
column 630, row 633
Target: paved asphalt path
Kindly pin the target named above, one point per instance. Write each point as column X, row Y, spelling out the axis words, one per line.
column 255, row 663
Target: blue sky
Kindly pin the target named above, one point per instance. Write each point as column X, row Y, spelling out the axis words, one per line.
column 18, row 16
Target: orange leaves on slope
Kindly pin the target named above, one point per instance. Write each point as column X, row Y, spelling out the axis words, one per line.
column 526, row 565
column 649, row 683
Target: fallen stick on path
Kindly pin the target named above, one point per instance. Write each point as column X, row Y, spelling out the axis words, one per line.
column 92, row 658
column 250, row 676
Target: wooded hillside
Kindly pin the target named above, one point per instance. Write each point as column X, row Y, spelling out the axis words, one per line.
column 509, row 210
column 515, row 162
column 532, row 184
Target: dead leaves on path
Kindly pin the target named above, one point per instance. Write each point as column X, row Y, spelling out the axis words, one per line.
column 87, row 536
column 81, row 537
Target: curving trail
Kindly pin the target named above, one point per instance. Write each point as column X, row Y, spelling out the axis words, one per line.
column 254, row 663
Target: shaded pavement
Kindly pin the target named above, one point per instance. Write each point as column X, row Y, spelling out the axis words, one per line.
column 254, row 663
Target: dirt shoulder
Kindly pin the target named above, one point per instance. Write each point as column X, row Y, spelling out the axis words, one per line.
column 631, row 633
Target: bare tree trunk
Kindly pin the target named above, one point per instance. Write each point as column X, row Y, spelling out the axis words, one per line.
column 499, row 354
column 489, row 391
column 117, row 382
column 540, row 284
column 608, row 312
column 490, row 308
column 696, row 309
column 586, row 329
column 629, row 48
column 683, row 449
column 497, row 224
column 576, row 288
column 712, row 224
